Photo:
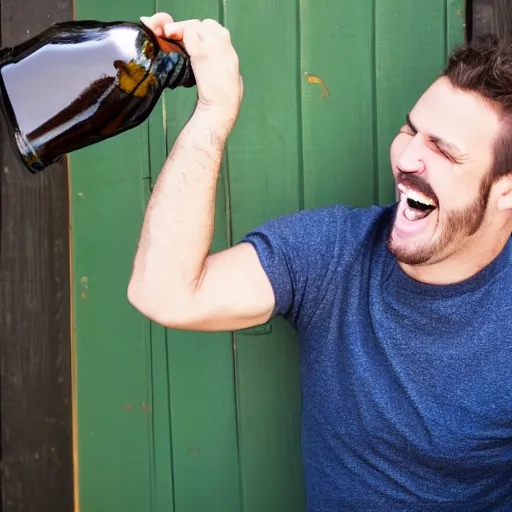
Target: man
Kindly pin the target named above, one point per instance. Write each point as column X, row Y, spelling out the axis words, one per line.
column 404, row 312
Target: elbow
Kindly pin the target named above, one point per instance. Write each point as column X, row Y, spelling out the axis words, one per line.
column 156, row 306
column 138, row 296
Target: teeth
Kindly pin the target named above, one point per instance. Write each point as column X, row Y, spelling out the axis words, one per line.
column 415, row 196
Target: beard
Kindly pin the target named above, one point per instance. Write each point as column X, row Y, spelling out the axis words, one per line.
column 456, row 226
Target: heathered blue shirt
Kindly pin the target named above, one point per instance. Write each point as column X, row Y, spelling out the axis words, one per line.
column 406, row 387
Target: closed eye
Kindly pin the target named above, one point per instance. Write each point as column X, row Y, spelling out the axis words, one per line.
column 438, row 143
column 448, row 156
column 441, row 151
column 438, row 149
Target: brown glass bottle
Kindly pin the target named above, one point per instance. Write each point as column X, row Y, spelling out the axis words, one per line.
column 81, row 82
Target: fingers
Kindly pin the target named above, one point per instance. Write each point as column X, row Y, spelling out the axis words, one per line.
column 156, row 22
column 176, row 30
column 163, row 25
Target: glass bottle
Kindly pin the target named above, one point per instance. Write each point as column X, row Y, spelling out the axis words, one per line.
column 81, row 82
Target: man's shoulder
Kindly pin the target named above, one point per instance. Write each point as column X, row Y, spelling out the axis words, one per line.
column 338, row 220
column 305, row 251
column 334, row 214
column 320, row 236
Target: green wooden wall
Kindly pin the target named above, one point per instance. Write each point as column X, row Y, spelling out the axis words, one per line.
column 190, row 422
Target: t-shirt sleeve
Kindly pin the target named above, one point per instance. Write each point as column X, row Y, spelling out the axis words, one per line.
column 296, row 252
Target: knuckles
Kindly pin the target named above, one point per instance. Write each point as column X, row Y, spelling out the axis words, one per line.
column 217, row 27
column 204, row 39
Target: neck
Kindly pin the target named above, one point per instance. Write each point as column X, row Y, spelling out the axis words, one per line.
column 459, row 266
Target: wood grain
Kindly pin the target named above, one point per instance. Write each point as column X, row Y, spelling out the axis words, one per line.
column 36, row 434
column 492, row 16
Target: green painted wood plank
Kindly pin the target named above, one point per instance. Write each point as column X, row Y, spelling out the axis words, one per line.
column 339, row 143
column 113, row 363
column 205, row 458
column 455, row 23
column 410, row 53
column 270, row 419
column 112, row 387
column 265, row 147
column 200, row 366
column 264, row 154
column 163, row 491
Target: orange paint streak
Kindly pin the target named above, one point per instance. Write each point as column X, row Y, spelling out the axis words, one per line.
column 313, row 79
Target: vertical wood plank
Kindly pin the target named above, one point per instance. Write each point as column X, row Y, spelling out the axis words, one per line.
column 456, row 23
column 337, row 47
column 163, row 491
column 410, row 53
column 36, row 417
column 113, row 347
column 491, row 16
column 265, row 157
column 200, row 366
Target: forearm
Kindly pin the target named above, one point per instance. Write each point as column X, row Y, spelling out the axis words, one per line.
column 178, row 225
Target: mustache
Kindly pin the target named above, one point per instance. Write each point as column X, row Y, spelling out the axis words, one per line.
column 415, row 182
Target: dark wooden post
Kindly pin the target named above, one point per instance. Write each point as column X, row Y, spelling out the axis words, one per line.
column 35, row 347
column 492, row 16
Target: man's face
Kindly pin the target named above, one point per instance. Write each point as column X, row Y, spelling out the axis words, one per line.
column 441, row 161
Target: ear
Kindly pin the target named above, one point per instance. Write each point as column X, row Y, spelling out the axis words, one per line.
column 505, row 193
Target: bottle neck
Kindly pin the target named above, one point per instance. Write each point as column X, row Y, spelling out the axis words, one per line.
column 172, row 49
column 186, row 76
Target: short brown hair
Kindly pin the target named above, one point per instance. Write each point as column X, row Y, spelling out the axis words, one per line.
column 485, row 67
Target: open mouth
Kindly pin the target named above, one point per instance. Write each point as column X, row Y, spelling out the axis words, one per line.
column 418, row 206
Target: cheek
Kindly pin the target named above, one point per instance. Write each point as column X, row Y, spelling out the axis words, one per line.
column 455, row 192
column 455, row 187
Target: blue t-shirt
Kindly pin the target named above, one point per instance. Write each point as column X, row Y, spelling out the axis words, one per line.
column 406, row 386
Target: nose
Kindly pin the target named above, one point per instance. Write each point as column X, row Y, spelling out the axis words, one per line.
column 411, row 159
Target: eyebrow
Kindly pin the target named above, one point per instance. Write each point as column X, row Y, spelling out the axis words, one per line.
column 439, row 141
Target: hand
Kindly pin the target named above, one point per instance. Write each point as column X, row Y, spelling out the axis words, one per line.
column 214, row 62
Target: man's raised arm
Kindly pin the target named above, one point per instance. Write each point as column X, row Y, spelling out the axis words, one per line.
column 175, row 281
